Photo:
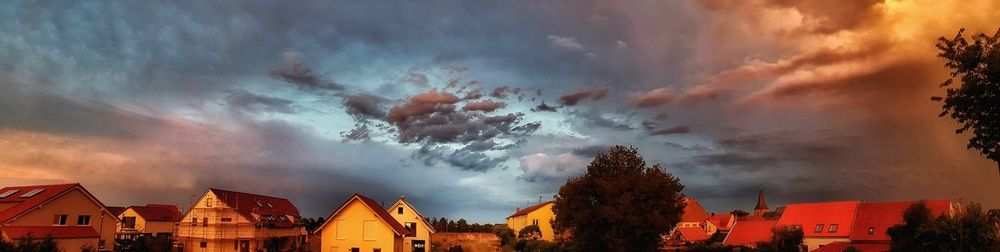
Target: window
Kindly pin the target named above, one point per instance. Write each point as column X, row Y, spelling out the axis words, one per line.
column 203, row 244
column 399, row 210
column 376, row 250
column 412, row 227
column 227, row 219
column 204, row 221
column 258, row 203
column 83, row 220
column 283, row 218
column 9, row 193
column 194, row 221
column 208, row 202
column 355, row 250
column 128, row 222
column 369, row 230
column 871, row 230
column 32, row 193
column 819, row 228
column 833, row 228
column 341, row 229
column 534, row 222
column 269, row 205
column 59, row 220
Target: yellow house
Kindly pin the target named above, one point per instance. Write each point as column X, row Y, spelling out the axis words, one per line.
column 360, row 224
column 540, row 215
column 151, row 219
column 67, row 212
column 419, row 236
column 224, row 220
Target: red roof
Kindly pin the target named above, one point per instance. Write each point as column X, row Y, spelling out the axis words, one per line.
column 692, row 234
column 721, row 221
column 810, row 215
column 865, row 247
column 25, row 204
column 157, row 212
column 529, row 209
column 248, row 204
column 873, row 219
column 17, row 232
column 748, row 233
column 693, row 212
column 116, row 210
column 375, row 208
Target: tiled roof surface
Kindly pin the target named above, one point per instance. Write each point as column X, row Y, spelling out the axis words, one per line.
column 864, row 247
column 692, row 234
column 24, row 204
column 749, row 232
column 529, row 209
column 721, row 221
column 248, row 204
column 809, row 215
column 693, row 212
column 157, row 212
column 879, row 217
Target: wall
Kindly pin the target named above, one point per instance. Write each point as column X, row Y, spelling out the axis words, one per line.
column 73, row 203
column 410, row 215
column 352, row 218
column 544, row 215
column 221, row 236
column 469, row 241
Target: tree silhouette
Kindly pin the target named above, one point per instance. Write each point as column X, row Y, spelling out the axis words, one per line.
column 975, row 103
column 619, row 204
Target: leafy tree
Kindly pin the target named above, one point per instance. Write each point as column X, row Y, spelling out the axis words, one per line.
column 530, row 232
column 968, row 230
column 462, row 225
column 976, row 64
column 739, row 213
column 619, row 204
column 29, row 244
column 784, row 239
column 904, row 237
column 505, row 234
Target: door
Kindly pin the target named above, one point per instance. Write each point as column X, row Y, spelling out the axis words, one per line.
column 244, row 246
column 418, row 246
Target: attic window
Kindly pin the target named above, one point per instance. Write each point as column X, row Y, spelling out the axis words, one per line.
column 32, row 193
column 258, row 203
column 833, row 228
column 399, row 210
column 269, row 205
column 283, row 218
column 819, row 228
column 9, row 193
column 871, row 230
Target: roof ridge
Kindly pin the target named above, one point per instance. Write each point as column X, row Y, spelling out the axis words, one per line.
column 253, row 194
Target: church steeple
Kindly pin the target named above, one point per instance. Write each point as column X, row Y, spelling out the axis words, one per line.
column 761, row 207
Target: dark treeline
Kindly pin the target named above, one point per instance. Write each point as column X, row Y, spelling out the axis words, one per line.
column 461, row 226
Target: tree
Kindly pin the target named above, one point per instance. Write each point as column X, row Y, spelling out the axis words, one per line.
column 530, row 232
column 739, row 213
column 505, row 234
column 783, row 239
column 619, row 204
column 969, row 230
column 976, row 64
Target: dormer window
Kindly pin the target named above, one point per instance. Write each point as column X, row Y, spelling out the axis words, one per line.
column 269, row 205
column 819, row 228
column 833, row 228
column 32, row 193
column 258, row 203
column 9, row 193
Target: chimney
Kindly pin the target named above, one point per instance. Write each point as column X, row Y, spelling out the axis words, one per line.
column 517, row 209
column 402, row 197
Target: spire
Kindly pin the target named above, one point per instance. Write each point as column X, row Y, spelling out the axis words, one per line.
column 761, row 205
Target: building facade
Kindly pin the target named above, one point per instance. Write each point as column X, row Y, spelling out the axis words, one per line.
column 66, row 212
column 540, row 215
column 222, row 220
column 149, row 220
column 361, row 224
column 419, row 237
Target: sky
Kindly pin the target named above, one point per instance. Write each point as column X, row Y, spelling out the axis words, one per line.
column 473, row 108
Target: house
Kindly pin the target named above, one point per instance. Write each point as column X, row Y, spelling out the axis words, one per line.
column 67, row 212
column 222, row 220
column 540, row 215
column 748, row 232
column 694, row 215
column 721, row 223
column 419, row 230
column 692, row 227
column 361, row 224
column 821, row 223
column 150, row 220
column 873, row 220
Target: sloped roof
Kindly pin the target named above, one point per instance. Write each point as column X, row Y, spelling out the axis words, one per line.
column 24, row 204
column 721, row 221
column 692, row 234
column 116, row 210
column 158, row 212
column 880, row 216
column 529, row 209
column 693, row 212
column 402, row 200
column 372, row 205
column 58, row 232
column 809, row 215
column 864, row 247
column 247, row 204
column 749, row 232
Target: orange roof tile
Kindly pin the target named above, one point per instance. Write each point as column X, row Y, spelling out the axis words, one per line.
column 864, row 247
column 693, row 212
column 248, row 204
column 692, row 234
column 873, row 219
column 529, row 209
column 810, row 215
column 158, row 212
column 748, row 233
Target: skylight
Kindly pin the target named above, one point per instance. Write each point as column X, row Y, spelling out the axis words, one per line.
column 32, row 193
column 9, row 193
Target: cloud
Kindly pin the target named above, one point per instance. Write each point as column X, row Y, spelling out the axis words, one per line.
column 565, row 42
column 670, row 131
column 542, row 167
column 248, row 102
column 418, row 79
column 570, row 99
column 486, row 106
column 544, row 108
column 652, row 98
column 365, row 106
column 298, row 73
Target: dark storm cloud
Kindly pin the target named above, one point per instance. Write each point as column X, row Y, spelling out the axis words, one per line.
column 590, row 151
column 544, row 108
column 253, row 103
column 298, row 73
column 570, row 99
column 364, row 106
column 669, row 131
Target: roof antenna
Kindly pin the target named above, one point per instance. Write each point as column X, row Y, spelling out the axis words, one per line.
column 539, row 199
